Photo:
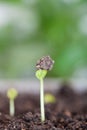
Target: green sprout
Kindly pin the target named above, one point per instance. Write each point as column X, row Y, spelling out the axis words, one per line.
column 12, row 94
column 43, row 65
column 49, row 98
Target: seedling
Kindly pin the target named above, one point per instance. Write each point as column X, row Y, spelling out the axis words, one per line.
column 43, row 66
column 49, row 98
column 12, row 94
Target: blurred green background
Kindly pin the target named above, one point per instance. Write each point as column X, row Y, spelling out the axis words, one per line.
column 30, row 29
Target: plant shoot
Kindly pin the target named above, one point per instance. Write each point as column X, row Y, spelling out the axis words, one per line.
column 12, row 94
column 43, row 65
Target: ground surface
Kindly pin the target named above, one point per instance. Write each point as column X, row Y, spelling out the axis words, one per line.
column 68, row 113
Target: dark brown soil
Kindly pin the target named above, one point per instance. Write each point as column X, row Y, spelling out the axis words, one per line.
column 68, row 113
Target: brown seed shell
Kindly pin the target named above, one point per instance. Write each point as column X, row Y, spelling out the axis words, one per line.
column 45, row 63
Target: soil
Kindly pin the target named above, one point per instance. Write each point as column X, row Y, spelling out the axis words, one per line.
column 68, row 113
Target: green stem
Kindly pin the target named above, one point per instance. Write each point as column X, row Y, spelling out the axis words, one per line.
column 42, row 101
column 12, row 107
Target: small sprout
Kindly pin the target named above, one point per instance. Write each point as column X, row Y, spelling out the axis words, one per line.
column 12, row 94
column 49, row 98
column 43, row 65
